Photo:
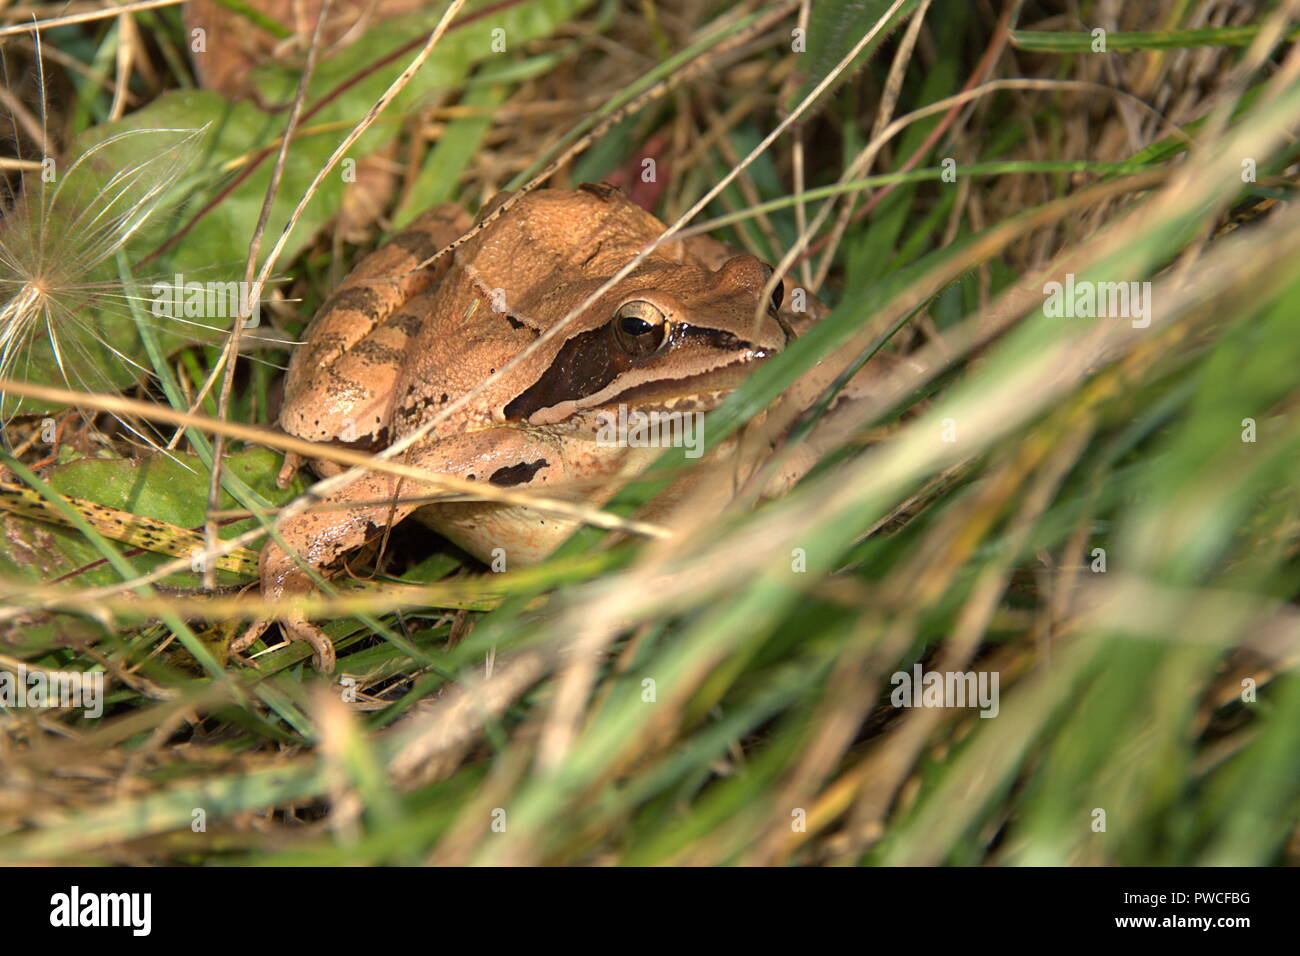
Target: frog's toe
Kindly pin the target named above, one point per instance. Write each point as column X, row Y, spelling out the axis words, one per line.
column 292, row 462
column 244, row 641
column 295, row 629
column 323, row 657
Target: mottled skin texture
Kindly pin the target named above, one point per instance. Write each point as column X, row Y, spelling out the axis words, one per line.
column 391, row 349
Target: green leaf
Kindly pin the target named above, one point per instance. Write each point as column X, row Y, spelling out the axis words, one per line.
column 174, row 490
column 834, row 28
column 1050, row 41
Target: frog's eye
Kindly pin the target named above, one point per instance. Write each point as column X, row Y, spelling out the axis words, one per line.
column 639, row 327
column 778, row 295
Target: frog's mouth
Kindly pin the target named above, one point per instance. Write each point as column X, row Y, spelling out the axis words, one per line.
column 693, row 393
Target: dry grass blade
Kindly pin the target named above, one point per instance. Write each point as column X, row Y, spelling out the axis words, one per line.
column 89, row 16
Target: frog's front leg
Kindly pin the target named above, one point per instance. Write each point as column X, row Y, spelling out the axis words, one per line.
column 319, row 538
column 357, row 513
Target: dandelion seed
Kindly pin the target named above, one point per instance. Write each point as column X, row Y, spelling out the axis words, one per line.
column 62, row 307
column 57, row 241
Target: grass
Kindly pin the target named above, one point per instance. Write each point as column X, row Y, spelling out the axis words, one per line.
column 1096, row 511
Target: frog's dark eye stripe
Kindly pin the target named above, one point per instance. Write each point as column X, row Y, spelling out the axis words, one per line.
column 592, row 360
column 715, row 339
column 584, row 365
column 588, row 362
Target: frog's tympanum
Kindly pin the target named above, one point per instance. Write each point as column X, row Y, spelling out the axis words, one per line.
column 393, row 347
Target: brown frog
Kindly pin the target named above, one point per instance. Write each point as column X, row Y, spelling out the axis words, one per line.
column 393, row 347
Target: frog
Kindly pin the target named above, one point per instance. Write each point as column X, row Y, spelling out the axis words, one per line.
column 410, row 335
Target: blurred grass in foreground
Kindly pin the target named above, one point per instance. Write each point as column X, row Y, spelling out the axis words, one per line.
column 1099, row 511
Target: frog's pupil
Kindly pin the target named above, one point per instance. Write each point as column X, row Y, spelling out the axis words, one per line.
column 634, row 326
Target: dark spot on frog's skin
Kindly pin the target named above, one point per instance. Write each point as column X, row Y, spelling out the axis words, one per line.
column 357, row 299
column 517, row 474
column 376, row 352
column 443, row 400
column 374, row 442
column 516, row 324
column 407, row 323
column 413, row 406
column 418, row 243
column 327, row 343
